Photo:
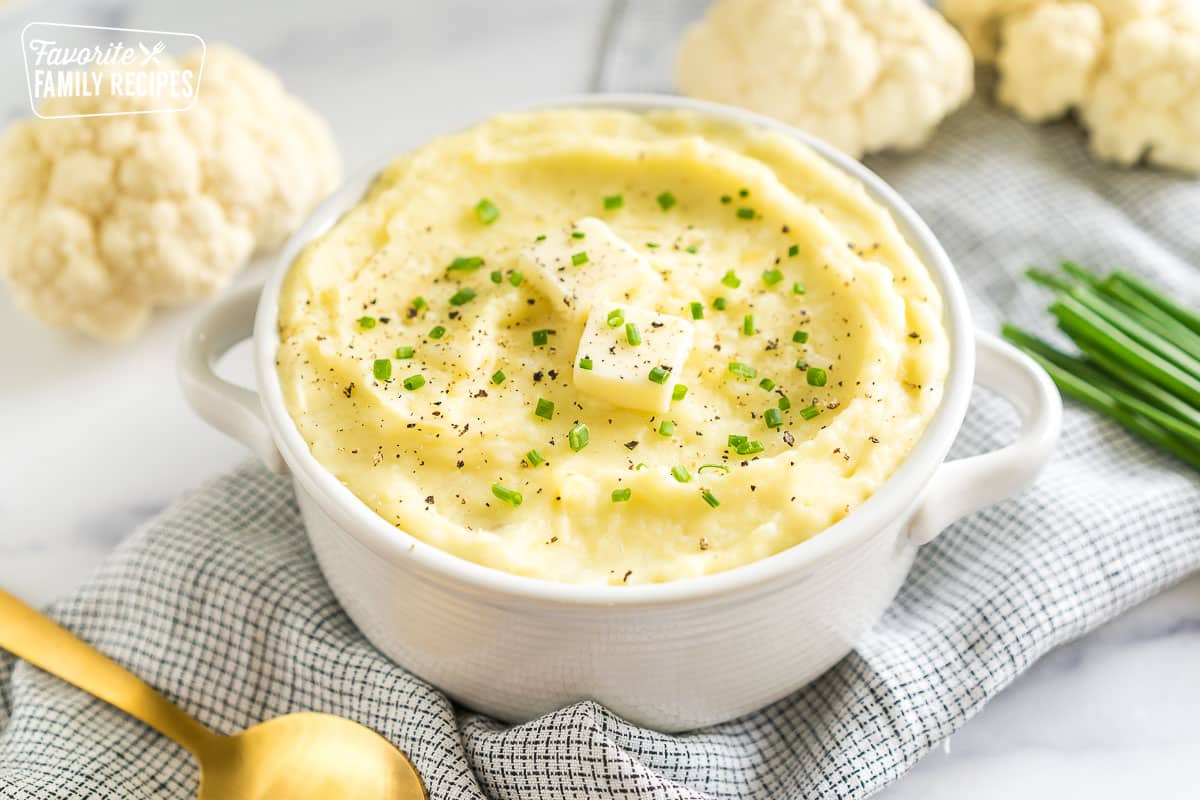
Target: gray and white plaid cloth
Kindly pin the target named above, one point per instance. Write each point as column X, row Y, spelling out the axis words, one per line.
column 219, row 603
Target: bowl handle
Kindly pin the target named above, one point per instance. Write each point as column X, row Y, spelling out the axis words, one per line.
column 964, row 486
column 234, row 410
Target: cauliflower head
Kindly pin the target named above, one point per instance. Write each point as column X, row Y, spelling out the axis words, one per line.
column 104, row 219
column 1129, row 68
column 864, row 75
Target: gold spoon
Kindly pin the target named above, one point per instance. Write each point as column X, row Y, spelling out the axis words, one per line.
column 306, row 756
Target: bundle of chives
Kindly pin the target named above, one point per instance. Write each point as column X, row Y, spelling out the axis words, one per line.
column 1140, row 355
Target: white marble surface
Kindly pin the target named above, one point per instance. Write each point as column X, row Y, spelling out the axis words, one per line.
column 95, row 439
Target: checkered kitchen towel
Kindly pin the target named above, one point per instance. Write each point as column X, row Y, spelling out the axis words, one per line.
column 220, row 604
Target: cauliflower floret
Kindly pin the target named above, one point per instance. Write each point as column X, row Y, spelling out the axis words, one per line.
column 864, row 75
column 1048, row 57
column 1145, row 99
column 1131, row 68
column 104, row 219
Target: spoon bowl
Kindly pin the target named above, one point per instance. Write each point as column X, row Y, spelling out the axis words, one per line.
column 306, row 756
column 303, row 756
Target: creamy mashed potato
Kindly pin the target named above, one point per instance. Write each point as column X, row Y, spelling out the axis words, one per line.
column 489, row 349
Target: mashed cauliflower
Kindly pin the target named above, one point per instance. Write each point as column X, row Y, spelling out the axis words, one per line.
column 598, row 347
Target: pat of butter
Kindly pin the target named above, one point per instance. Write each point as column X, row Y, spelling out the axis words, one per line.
column 581, row 264
column 639, row 376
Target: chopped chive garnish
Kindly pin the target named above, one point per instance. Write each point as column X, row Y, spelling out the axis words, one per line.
column 515, row 278
column 437, row 332
column 748, row 325
column 659, row 375
column 773, row 417
column 784, row 403
column 578, row 235
column 383, row 369
column 464, row 295
column 498, row 377
column 414, row 382
column 697, row 310
column 621, row 495
column 534, row 458
column 772, row 277
column 486, row 211
column 710, row 498
column 667, row 428
column 731, row 279
column 540, row 238
column 799, row 288
column 510, row 496
column 366, row 323
column 585, row 363
column 693, row 249
column 541, row 338
column 726, row 199
column 578, row 437
column 613, row 201
column 666, row 200
column 750, row 448
column 793, row 251
column 810, row 412
column 801, row 364
column 680, row 473
column 465, row 264
column 545, row 409
column 616, row 318
column 497, row 276
column 737, row 440
column 720, row 303
column 652, row 245
column 815, row 376
column 712, row 467
column 632, row 334
column 418, row 303
column 641, row 465
column 745, row 213
column 743, row 192
column 405, row 352
column 742, row 370
column 679, row 392
column 800, row 336
column 766, row 384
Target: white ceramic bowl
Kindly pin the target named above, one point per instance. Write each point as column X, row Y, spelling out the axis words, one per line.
column 670, row 656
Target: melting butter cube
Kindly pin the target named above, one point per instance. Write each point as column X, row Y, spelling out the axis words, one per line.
column 641, row 376
column 582, row 264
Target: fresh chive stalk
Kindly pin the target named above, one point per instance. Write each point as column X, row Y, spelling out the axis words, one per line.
column 1083, row 325
column 1140, row 354
column 1187, row 316
column 1100, row 400
column 1183, row 426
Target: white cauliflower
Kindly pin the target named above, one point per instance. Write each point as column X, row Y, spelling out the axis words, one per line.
column 1129, row 68
column 104, row 219
column 1049, row 57
column 865, row 75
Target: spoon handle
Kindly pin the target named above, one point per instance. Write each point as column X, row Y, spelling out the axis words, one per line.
column 36, row 638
